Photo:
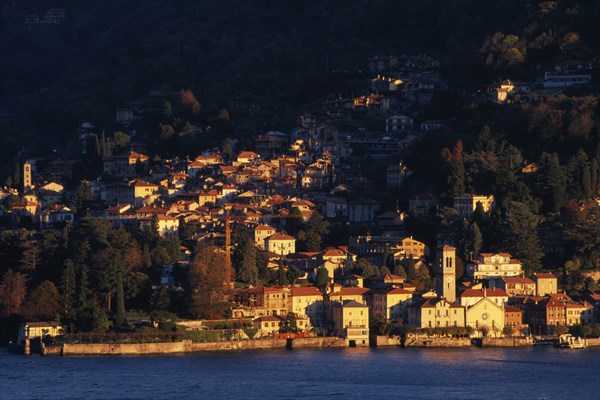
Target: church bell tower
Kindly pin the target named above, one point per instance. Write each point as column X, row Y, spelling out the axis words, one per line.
column 446, row 273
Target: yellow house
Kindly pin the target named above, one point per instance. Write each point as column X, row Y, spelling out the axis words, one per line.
column 467, row 203
column 144, row 192
column 351, row 321
column 261, row 232
column 435, row 313
column 341, row 294
column 546, row 283
column 486, row 315
column 281, row 244
column 494, row 265
column 391, row 303
column 167, row 225
column 308, row 302
column 578, row 313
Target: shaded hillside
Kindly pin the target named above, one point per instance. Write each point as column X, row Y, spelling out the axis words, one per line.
column 106, row 53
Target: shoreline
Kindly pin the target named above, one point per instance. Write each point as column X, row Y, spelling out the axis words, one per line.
column 187, row 346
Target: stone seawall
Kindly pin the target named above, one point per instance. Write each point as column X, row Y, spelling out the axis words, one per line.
column 424, row 341
column 507, row 342
column 187, row 346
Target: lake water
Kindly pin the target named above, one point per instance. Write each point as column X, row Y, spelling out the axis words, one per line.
column 357, row 373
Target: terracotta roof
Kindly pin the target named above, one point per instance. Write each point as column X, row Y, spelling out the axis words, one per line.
column 267, row 318
column 480, row 293
column 306, row 291
column 264, row 227
column 350, row 291
column 248, row 154
column 544, row 275
column 353, row 304
column 139, row 182
column 518, row 279
column 333, row 253
column 280, row 236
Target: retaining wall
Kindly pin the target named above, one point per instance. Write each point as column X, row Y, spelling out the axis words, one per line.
column 189, row 346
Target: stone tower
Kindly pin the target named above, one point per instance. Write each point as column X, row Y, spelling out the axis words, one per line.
column 26, row 176
column 446, row 273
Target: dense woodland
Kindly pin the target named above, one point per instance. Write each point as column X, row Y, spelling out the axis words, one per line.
column 203, row 57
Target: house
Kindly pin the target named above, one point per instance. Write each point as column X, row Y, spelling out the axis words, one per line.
column 391, row 303
column 340, row 294
column 472, row 296
column 362, row 210
column 351, row 321
column 422, row 203
column 144, row 192
column 513, row 317
column 397, row 123
column 25, row 209
column 515, row 285
column 485, row 316
column 466, row 204
column 408, row 247
column 247, row 157
column 33, row 330
column 261, row 232
column 429, row 126
column 281, row 244
column 167, row 225
column 267, row 325
column 435, row 313
column 568, row 74
column 396, row 175
column 308, row 302
column 546, row 283
column 125, row 165
column 502, row 91
column 336, row 207
column 494, row 265
column 261, row 300
column 55, row 215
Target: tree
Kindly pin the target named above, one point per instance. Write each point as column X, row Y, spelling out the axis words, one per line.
column 293, row 274
column 13, row 289
column 400, row 271
column 160, row 303
column 294, row 222
column 30, row 259
column 594, row 171
column 43, row 303
column 281, row 275
column 120, row 296
column 289, row 324
column 586, row 182
column 322, row 277
column 523, row 241
column 189, row 100
column 248, row 270
column 551, row 182
column 208, row 283
column 121, row 140
column 83, row 198
column 227, row 148
column 68, row 286
column 508, row 330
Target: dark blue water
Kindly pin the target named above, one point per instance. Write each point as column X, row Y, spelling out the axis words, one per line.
column 534, row 373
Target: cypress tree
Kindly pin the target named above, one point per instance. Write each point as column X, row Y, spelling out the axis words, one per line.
column 68, row 286
column 586, row 182
column 594, row 176
column 121, row 315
